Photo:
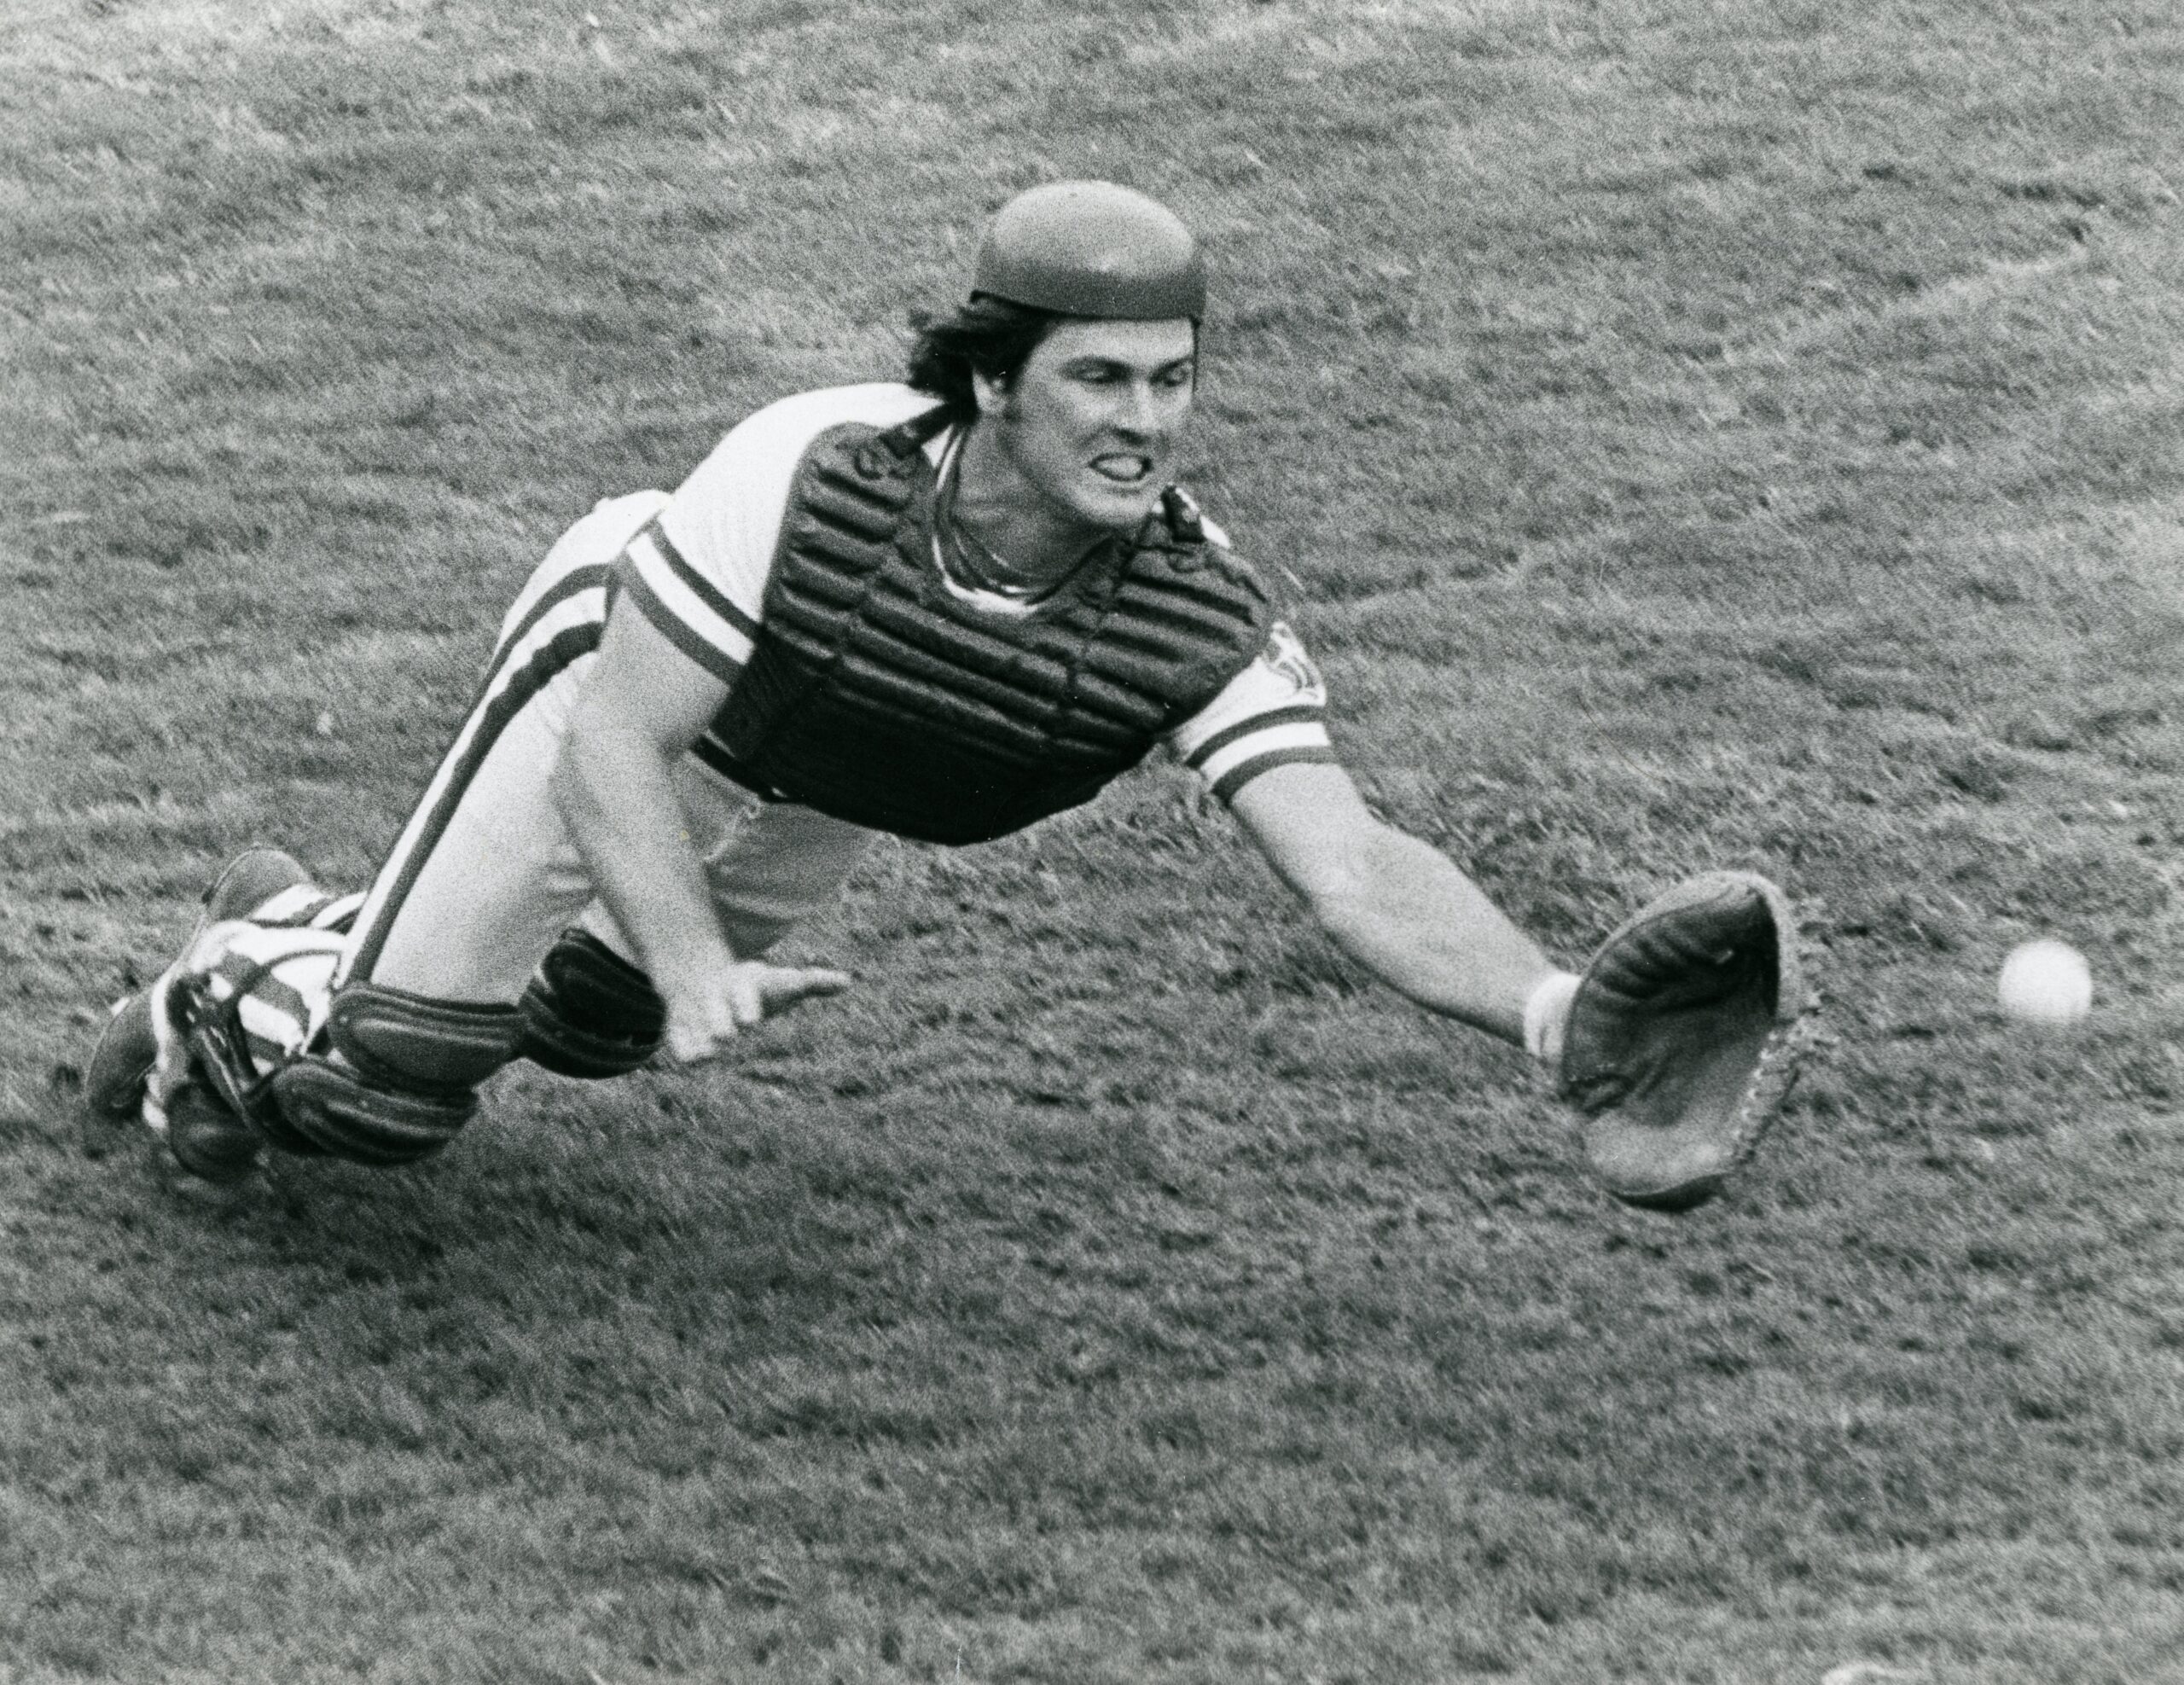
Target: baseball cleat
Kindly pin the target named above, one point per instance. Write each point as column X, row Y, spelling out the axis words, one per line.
column 206, row 1139
column 142, row 1061
column 247, row 883
column 128, row 1047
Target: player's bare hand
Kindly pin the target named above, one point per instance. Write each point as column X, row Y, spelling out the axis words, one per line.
column 701, row 1024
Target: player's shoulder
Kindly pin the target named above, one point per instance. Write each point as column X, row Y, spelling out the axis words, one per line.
column 753, row 467
column 802, row 416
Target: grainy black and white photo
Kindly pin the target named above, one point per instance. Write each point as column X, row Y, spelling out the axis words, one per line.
column 1334, row 842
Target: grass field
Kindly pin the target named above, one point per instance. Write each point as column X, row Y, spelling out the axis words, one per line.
column 1690, row 432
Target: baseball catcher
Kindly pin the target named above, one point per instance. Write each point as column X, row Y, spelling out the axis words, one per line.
column 943, row 608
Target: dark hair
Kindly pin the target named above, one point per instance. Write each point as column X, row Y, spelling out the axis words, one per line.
column 989, row 336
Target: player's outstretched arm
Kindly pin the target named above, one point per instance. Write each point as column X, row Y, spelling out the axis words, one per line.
column 1396, row 904
column 1673, row 1046
column 644, row 706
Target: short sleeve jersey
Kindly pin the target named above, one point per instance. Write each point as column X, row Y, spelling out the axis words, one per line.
column 700, row 575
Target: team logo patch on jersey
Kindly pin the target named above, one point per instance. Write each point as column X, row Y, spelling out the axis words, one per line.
column 1285, row 654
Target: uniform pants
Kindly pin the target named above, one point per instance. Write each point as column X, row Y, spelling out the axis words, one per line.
column 465, row 910
column 474, row 925
column 485, row 875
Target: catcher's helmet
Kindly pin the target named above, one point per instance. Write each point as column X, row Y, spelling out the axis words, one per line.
column 1092, row 248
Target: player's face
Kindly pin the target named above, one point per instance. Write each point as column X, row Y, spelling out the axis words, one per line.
column 1091, row 421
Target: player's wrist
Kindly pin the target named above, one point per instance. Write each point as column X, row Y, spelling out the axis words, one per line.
column 685, row 970
column 1546, row 1016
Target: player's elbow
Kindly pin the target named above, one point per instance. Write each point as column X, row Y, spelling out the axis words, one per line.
column 1347, row 912
column 1357, row 896
column 1337, row 890
column 582, row 779
column 571, row 791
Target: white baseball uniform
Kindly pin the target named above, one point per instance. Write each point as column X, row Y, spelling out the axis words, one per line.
column 486, row 874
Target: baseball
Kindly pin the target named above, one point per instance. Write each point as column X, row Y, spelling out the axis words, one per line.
column 2045, row 982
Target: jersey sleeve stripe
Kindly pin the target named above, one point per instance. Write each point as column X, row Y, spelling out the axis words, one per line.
column 1242, row 773
column 701, row 587
column 720, row 663
column 1299, row 713
column 1272, row 739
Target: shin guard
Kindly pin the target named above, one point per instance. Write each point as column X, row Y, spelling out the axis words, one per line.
column 401, row 1078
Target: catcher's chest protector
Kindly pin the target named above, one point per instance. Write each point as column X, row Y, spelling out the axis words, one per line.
column 875, row 695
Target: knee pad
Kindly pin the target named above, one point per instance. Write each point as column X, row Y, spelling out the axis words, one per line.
column 590, row 1013
column 410, row 1041
column 405, row 1075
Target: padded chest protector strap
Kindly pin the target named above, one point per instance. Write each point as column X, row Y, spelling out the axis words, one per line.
column 875, row 696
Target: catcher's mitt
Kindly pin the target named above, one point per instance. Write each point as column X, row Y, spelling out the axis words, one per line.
column 1674, row 1048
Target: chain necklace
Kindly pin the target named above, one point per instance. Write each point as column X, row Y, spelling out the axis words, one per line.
column 976, row 565
column 966, row 558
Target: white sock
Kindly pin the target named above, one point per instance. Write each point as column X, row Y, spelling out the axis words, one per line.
column 1547, row 1014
